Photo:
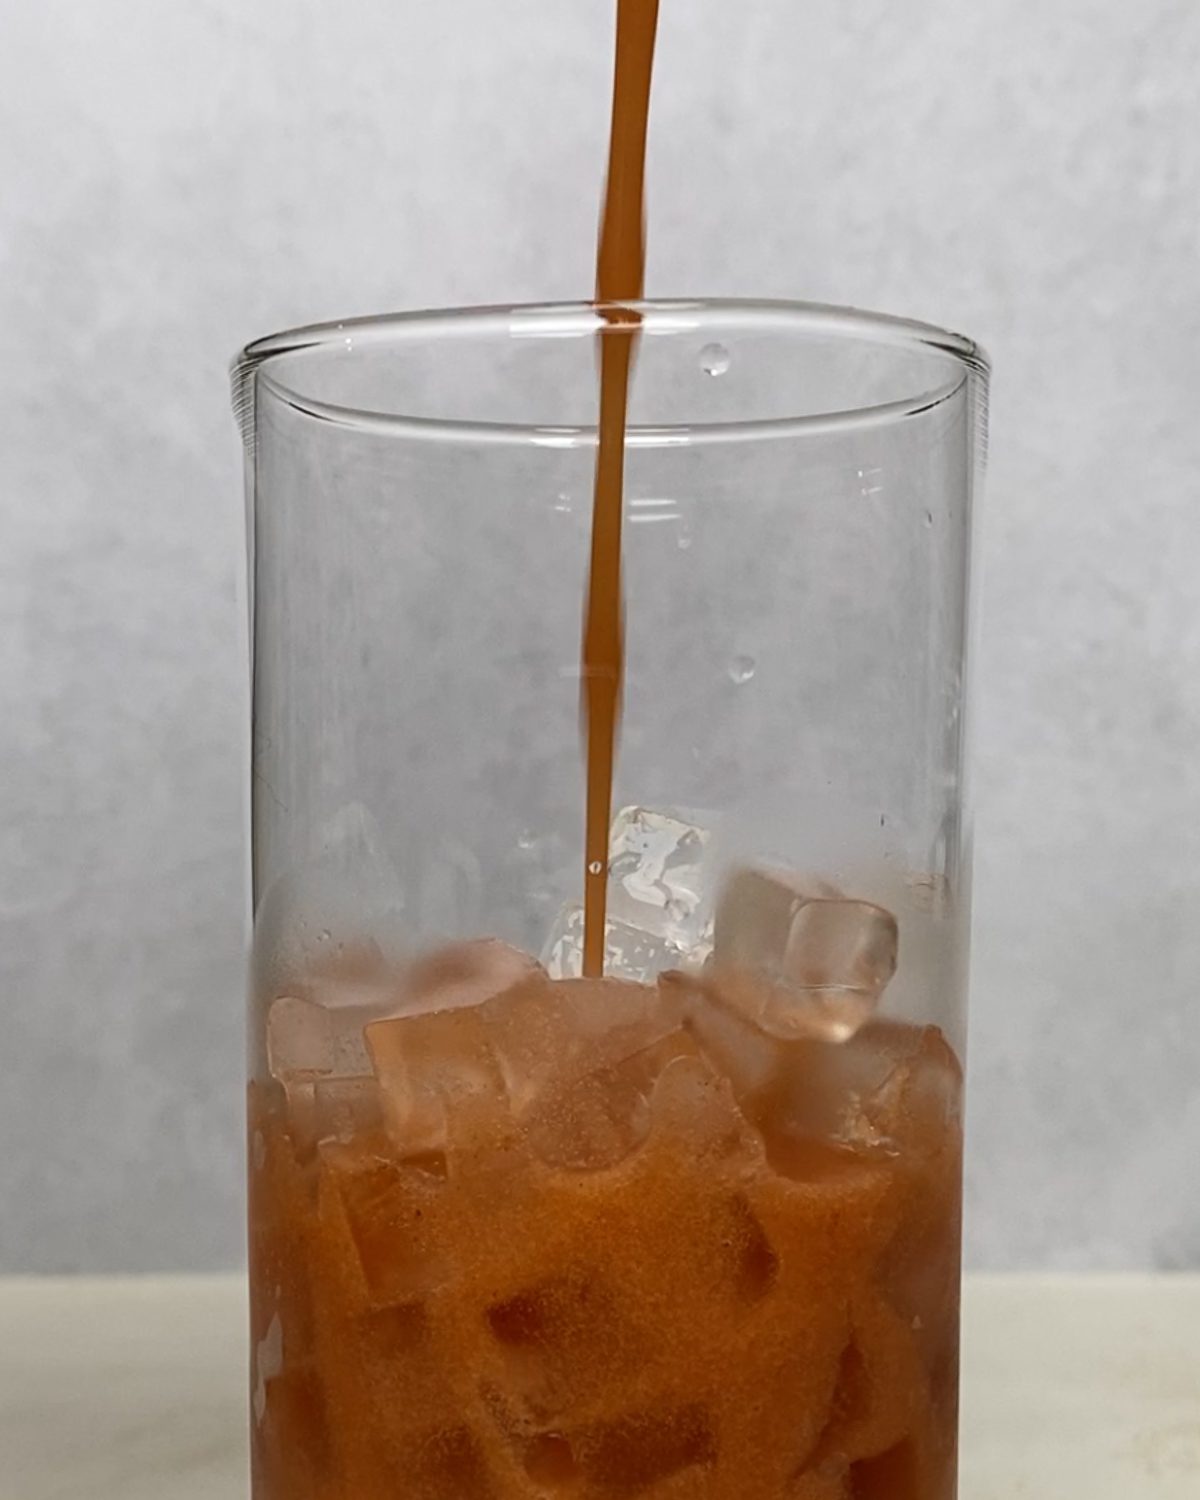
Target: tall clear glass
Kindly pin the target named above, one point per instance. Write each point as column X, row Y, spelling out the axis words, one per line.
column 691, row 1230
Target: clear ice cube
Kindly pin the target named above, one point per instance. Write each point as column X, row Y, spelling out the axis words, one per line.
column 345, row 1108
column 389, row 1210
column 591, row 1124
column 554, row 1339
column 892, row 1087
column 694, row 1105
column 629, row 952
column 330, row 1109
column 739, row 1050
column 318, row 1052
column 658, row 876
column 593, row 1121
column 307, row 1040
column 920, row 1096
column 801, row 960
column 579, row 1025
column 435, row 1053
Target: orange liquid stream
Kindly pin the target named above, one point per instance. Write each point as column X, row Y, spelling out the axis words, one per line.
column 620, row 277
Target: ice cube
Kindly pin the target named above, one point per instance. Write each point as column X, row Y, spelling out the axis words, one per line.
column 435, row 1053
column 428, row 1064
column 330, row 1109
column 881, row 1389
column 307, row 1040
column 629, row 952
column 695, row 1109
column 535, row 1315
column 738, row 1049
column 550, row 1035
column 319, row 1056
column 892, row 1087
column 920, row 1097
column 389, row 1212
column 346, row 1107
column 841, row 944
column 658, row 879
column 590, row 1125
column 801, row 961
column 558, row 1340
column 596, row 1121
column 517, row 1056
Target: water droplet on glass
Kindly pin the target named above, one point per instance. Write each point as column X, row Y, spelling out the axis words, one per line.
column 683, row 543
column 562, row 504
column 324, row 935
column 526, row 839
column 715, row 359
column 742, row 669
column 595, row 868
column 929, row 518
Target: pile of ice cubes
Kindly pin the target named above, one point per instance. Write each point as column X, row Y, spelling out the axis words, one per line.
column 797, row 955
column 437, row 1045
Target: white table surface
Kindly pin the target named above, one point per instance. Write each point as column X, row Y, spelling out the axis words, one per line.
column 1074, row 1388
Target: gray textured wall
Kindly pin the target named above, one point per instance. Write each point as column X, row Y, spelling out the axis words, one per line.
column 181, row 177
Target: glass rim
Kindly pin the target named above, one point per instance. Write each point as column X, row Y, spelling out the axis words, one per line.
column 548, row 320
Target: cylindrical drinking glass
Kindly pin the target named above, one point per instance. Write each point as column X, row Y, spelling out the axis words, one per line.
column 691, row 1229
